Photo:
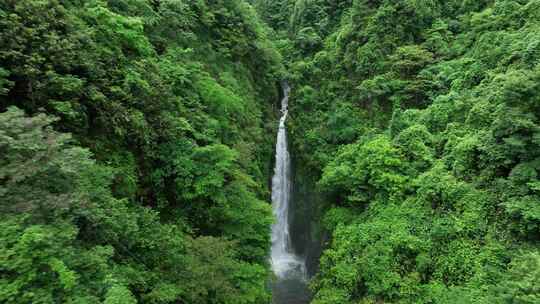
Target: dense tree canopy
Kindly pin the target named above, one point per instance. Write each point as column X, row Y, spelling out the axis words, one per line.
column 136, row 143
column 420, row 121
column 135, row 150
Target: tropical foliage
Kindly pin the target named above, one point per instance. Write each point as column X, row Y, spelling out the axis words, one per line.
column 135, row 149
column 420, row 120
column 136, row 142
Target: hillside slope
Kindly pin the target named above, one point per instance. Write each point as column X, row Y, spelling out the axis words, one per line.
column 420, row 120
column 160, row 194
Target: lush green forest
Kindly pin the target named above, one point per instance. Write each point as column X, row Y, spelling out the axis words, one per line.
column 421, row 122
column 137, row 137
column 136, row 140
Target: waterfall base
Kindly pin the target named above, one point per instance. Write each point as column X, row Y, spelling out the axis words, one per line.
column 289, row 266
column 291, row 290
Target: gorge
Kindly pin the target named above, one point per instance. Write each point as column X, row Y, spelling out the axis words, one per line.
column 290, row 285
column 144, row 157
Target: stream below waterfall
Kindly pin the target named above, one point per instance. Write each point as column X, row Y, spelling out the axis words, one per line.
column 290, row 285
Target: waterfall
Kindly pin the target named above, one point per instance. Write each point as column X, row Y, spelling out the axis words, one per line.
column 285, row 263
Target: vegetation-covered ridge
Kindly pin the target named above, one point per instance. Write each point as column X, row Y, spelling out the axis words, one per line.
column 136, row 140
column 421, row 121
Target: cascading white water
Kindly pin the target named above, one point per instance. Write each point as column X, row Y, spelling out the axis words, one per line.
column 285, row 263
